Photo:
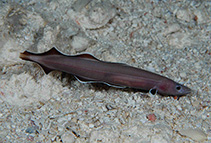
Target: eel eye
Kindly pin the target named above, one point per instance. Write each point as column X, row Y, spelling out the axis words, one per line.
column 178, row 87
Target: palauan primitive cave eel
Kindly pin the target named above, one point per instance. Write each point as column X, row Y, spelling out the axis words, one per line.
column 87, row 68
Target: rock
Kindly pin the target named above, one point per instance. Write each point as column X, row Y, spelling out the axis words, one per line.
column 195, row 134
column 23, row 90
column 97, row 16
column 104, row 136
column 80, row 4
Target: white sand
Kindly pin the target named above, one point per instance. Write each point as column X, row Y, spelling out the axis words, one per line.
column 169, row 38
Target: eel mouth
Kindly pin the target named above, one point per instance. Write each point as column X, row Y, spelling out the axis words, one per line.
column 186, row 90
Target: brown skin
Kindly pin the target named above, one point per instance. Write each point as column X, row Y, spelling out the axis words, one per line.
column 87, row 68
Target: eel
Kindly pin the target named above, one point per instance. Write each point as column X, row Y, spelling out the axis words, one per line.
column 87, row 68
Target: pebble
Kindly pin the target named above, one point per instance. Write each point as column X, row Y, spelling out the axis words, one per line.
column 30, row 138
column 79, row 43
column 31, row 130
column 171, row 29
column 179, row 107
column 200, row 17
column 68, row 138
column 204, row 117
column 197, row 65
column 184, row 15
column 91, row 125
column 180, row 40
column 183, row 74
column 151, row 117
column 196, row 103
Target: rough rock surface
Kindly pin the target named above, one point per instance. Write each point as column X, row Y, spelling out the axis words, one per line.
column 171, row 38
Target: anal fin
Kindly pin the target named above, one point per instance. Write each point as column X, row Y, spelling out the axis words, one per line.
column 84, row 80
column 46, row 69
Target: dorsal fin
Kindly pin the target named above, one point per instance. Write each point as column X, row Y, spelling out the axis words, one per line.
column 87, row 56
column 52, row 51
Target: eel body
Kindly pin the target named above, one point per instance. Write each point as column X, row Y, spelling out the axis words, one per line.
column 88, row 68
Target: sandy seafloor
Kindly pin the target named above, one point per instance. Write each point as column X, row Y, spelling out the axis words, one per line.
column 171, row 38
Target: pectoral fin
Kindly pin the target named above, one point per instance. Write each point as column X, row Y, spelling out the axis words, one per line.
column 153, row 91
